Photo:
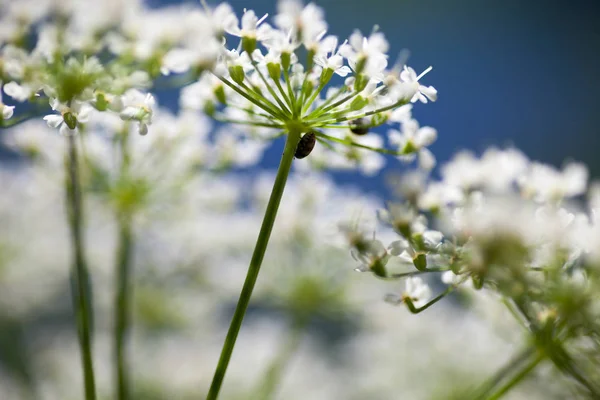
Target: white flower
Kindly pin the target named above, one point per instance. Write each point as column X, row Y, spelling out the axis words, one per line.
column 5, row 111
column 450, row 278
column 439, row 194
column 413, row 140
column 368, row 55
column 18, row 92
column 250, row 26
column 334, row 61
column 421, row 93
column 545, row 183
column 223, row 19
column 77, row 112
column 138, row 107
column 308, row 22
column 417, row 290
column 496, row 171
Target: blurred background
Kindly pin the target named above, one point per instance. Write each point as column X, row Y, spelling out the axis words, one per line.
column 508, row 73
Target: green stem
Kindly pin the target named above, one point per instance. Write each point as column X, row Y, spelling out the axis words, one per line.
column 276, row 370
column 522, row 374
column 415, row 310
column 122, row 300
column 269, row 88
column 293, row 99
column 122, row 304
column 257, row 102
column 256, row 261
column 414, row 273
column 80, row 276
column 362, row 146
column 505, row 371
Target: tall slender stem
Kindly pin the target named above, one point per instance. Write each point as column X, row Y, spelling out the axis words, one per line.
column 80, row 284
column 122, row 306
column 257, row 257
column 521, row 374
column 122, row 300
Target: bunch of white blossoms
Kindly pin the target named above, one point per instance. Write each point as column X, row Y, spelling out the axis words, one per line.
column 513, row 227
column 77, row 56
column 293, row 76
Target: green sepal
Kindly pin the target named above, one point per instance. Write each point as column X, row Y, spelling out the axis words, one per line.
column 220, row 94
column 420, row 262
column 249, row 44
column 274, row 71
column 70, row 120
column 237, row 74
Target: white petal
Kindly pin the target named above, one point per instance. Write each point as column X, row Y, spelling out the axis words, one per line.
column 17, row 92
column 53, row 120
column 343, row 71
column 425, row 136
column 7, row 111
column 429, row 91
column 426, row 159
column 408, row 74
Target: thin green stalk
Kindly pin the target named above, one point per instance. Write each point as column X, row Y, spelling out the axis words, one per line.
column 257, row 102
column 256, row 261
column 269, row 87
column 362, row 146
column 415, row 310
column 504, row 372
column 293, row 99
column 79, row 272
column 123, row 293
column 320, row 111
column 285, row 96
column 328, row 119
column 122, row 304
column 275, row 372
column 312, row 98
column 522, row 374
column 414, row 273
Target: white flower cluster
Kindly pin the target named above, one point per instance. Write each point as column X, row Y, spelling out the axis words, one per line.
column 282, row 76
column 490, row 213
column 77, row 56
column 293, row 75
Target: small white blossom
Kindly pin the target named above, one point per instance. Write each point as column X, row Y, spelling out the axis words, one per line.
column 138, row 107
column 417, row 290
column 5, row 111
column 412, row 141
column 421, row 92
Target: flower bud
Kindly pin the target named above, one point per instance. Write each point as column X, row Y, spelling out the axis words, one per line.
column 274, row 71
column 358, row 103
column 420, row 262
column 249, row 44
column 70, row 120
column 360, row 82
column 220, row 94
column 237, row 74
column 286, row 60
column 101, row 102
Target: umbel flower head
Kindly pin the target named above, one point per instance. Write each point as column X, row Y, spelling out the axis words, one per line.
column 292, row 75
